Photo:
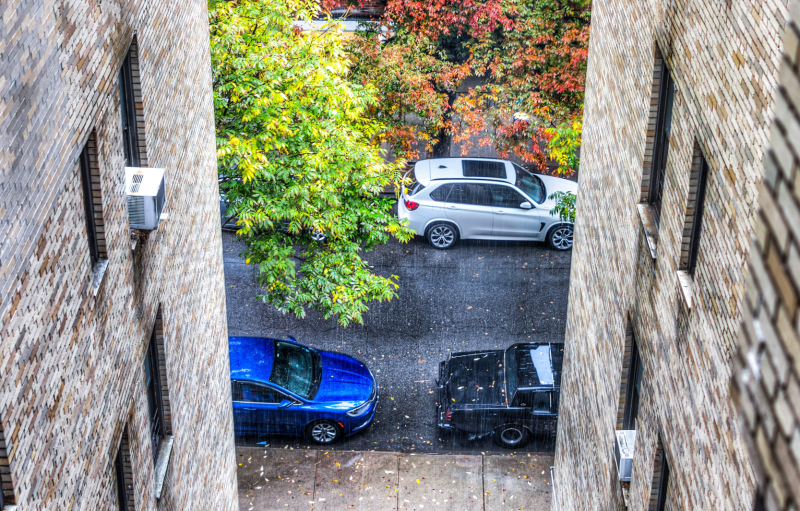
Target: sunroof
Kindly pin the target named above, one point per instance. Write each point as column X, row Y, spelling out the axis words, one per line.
column 483, row 168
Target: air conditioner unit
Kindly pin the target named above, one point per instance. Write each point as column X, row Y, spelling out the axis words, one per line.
column 145, row 189
column 623, row 451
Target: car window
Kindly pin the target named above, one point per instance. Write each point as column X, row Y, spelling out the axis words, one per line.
column 506, row 197
column 475, row 194
column 255, row 393
column 530, row 184
column 294, row 368
column 440, row 194
column 540, row 402
column 483, row 168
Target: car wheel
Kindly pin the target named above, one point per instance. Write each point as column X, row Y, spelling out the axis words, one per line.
column 442, row 235
column 560, row 238
column 511, row 436
column 324, row 432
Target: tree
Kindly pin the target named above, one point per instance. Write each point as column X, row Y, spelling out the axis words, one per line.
column 297, row 156
column 532, row 56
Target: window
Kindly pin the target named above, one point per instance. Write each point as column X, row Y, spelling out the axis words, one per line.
column 250, row 392
column 124, row 474
column 296, row 369
column 697, row 216
column 634, row 388
column 659, row 488
column 483, row 168
column 507, row 197
column 661, row 142
column 131, row 112
column 153, row 385
column 88, row 204
column 474, row 194
column 441, row 193
column 531, row 184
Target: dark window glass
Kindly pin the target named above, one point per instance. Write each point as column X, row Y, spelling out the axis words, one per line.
column 507, row 197
column 153, row 385
column 634, row 388
column 130, row 139
column 554, row 399
column 541, row 402
column 483, row 168
column 255, row 393
column 661, row 147
column 440, row 194
column 663, row 483
column 296, row 369
column 530, row 184
column 694, row 244
column 236, row 391
column 88, row 203
column 122, row 494
column 475, row 194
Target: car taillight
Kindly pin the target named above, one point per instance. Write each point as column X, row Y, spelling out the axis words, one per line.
column 448, row 415
column 410, row 205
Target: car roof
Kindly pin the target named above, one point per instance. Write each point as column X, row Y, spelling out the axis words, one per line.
column 251, row 358
column 435, row 169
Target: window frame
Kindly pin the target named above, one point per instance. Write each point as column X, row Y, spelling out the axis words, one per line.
column 154, row 397
column 88, row 204
column 632, row 393
column 663, row 483
column 699, row 207
column 130, row 136
column 658, row 175
column 122, row 492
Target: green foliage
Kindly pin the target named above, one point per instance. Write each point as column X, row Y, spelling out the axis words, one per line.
column 563, row 145
column 565, row 206
column 298, row 154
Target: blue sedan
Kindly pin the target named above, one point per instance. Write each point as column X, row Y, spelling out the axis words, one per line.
column 281, row 387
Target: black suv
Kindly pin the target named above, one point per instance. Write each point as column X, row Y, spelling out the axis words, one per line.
column 511, row 394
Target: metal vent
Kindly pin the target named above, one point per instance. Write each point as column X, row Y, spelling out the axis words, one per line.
column 136, row 209
column 136, row 181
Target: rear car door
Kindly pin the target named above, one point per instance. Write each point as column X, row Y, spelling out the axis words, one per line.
column 255, row 409
column 470, row 206
column 510, row 220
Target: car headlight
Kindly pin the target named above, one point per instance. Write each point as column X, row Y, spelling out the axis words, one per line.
column 355, row 412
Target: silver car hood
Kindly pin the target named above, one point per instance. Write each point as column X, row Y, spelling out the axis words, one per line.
column 554, row 184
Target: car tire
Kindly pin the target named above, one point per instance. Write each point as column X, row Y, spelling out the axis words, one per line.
column 511, row 436
column 442, row 235
column 561, row 237
column 324, row 432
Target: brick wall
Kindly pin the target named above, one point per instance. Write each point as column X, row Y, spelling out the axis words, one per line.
column 71, row 353
column 627, row 271
column 767, row 363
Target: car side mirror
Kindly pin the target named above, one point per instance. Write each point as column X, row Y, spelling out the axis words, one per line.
column 526, row 205
column 285, row 403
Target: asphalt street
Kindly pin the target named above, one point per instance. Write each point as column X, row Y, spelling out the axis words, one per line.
column 477, row 295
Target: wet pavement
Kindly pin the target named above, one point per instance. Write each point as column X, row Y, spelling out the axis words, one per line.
column 305, row 479
column 477, row 295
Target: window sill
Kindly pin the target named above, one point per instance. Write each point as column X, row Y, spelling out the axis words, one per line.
column 98, row 273
column 649, row 226
column 687, row 285
column 162, row 462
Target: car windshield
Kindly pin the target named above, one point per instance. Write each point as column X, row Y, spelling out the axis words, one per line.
column 296, row 369
column 530, row 184
column 511, row 373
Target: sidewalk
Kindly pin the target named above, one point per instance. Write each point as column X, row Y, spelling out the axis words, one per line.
column 274, row 479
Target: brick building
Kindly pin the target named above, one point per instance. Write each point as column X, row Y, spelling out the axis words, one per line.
column 767, row 363
column 677, row 120
column 114, row 391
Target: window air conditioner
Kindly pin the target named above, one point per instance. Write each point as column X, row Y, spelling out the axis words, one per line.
column 145, row 189
column 623, row 451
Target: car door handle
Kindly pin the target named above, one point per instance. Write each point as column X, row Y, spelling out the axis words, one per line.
column 451, row 207
column 501, row 212
column 249, row 409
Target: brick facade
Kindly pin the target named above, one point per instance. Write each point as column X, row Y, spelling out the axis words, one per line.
column 767, row 363
column 72, row 345
column 631, row 280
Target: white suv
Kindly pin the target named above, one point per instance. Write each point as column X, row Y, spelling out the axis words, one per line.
column 485, row 199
